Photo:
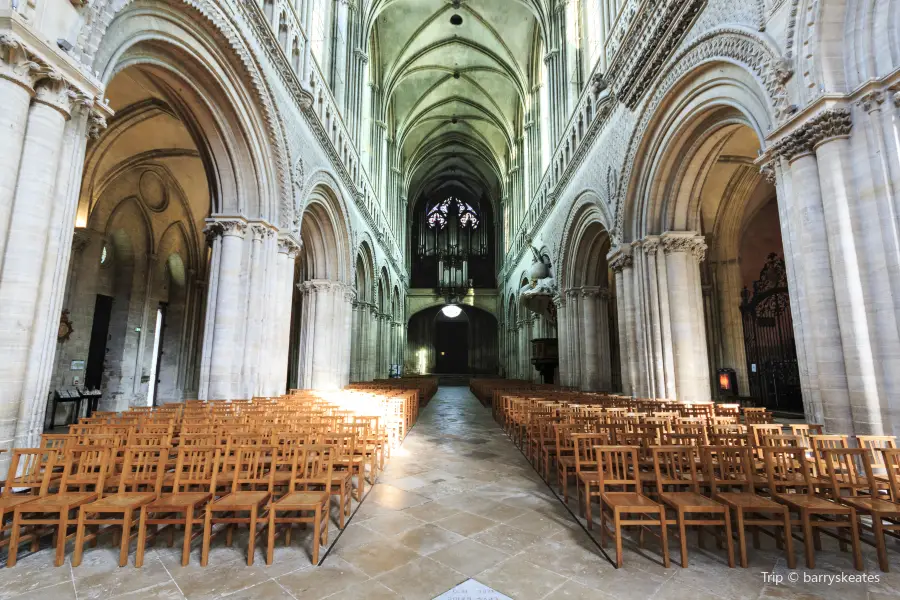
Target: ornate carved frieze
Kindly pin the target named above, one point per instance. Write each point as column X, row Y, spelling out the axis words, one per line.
column 695, row 244
column 656, row 31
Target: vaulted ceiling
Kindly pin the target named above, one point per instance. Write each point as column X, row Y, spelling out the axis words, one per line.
column 454, row 91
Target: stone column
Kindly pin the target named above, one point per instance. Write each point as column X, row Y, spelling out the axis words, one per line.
column 288, row 249
column 868, row 332
column 524, row 351
column 372, row 344
column 683, row 253
column 620, row 261
column 17, row 78
column 575, row 337
column 604, row 366
column 22, row 264
column 354, row 343
column 562, row 339
column 817, row 331
column 220, row 370
column 590, row 377
column 340, row 55
column 655, row 302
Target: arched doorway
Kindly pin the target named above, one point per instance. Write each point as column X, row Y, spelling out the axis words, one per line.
column 322, row 310
column 587, row 312
column 136, row 290
column 453, row 339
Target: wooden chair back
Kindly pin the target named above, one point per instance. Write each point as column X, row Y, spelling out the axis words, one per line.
column 584, row 450
column 874, row 443
column 143, row 469
column 787, row 471
column 676, row 469
column 194, row 468
column 618, row 466
column 848, row 470
column 728, row 467
column 251, row 469
column 891, row 460
column 30, row 468
column 85, row 467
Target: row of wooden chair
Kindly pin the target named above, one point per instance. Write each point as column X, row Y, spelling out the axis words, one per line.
column 268, row 464
column 608, row 448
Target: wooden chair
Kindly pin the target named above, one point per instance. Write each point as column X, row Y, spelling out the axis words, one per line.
column 678, row 487
column 618, row 469
column 729, row 473
column 847, row 485
column 85, row 467
column 250, row 490
column 139, row 485
column 587, row 475
column 191, row 484
column 804, row 430
column 790, row 483
column 874, row 444
column 310, row 466
column 30, row 476
column 757, row 415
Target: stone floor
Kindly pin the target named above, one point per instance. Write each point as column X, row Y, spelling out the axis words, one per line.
column 457, row 502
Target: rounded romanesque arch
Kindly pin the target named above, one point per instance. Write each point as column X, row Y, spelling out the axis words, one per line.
column 724, row 57
column 220, row 92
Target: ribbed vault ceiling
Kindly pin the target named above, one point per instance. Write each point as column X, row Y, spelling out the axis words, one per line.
column 454, row 92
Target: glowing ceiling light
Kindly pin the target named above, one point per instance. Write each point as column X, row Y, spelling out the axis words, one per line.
column 451, row 311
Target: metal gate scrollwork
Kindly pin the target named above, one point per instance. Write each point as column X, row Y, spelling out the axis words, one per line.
column 769, row 339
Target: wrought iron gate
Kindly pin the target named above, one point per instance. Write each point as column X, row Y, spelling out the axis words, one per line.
column 769, row 340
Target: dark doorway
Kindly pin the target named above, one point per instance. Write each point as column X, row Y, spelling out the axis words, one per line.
column 451, row 346
column 93, row 374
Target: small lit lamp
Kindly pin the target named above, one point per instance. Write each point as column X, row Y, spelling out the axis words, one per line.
column 727, row 379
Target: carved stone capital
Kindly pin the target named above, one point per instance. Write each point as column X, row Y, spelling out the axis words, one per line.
column 684, row 241
column 16, row 64
column 872, row 100
column 768, row 172
column 620, row 259
column 559, row 301
column 650, row 244
column 52, row 90
column 80, row 239
column 590, row 291
column 829, row 124
column 261, row 231
column 288, row 246
column 224, row 227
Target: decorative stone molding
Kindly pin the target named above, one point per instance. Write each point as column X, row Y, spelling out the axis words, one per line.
column 81, row 239
column 827, row 125
column 872, row 100
column 768, row 172
column 53, row 91
column 684, row 241
column 591, row 291
column 16, row 63
column 654, row 34
column 650, row 244
column 288, row 246
column 223, row 227
column 620, row 259
column 261, row 231
column 559, row 300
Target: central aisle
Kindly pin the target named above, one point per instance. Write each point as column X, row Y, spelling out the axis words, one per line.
column 459, row 501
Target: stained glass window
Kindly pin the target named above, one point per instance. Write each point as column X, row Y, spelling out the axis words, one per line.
column 439, row 214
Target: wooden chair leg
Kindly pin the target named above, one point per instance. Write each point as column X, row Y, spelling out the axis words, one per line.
column 880, row 545
column 682, row 533
column 188, row 534
column 14, row 540
column 207, row 530
column 587, row 506
column 742, row 541
column 126, row 538
column 854, row 539
column 664, row 540
column 807, row 539
column 79, row 539
column 270, row 536
column 61, row 538
column 789, row 540
column 142, row 540
column 251, row 545
column 618, row 527
column 317, row 523
column 728, row 541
